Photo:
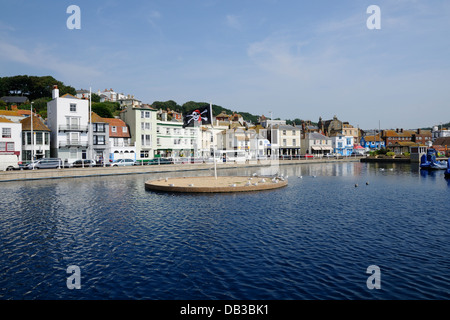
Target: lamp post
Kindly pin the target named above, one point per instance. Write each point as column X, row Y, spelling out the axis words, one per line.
column 32, row 134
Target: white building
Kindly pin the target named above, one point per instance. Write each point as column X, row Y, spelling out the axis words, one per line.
column 68, row 118
column 110, row 95
column 342, row 145
column 439, row 132
column 120, row 146
column 10, row 137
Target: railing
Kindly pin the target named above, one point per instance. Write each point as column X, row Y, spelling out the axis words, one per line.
column 73, row 143
column 72, row 127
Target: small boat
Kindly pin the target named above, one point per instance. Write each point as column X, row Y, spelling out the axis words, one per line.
column 447, row 171
column 429, row 161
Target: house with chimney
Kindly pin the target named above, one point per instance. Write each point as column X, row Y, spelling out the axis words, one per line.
column 68, row 119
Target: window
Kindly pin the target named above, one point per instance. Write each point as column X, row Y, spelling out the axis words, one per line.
column 167, row 131
column 147, row 114
column 73, row 107
column 284, row 142
column 39, row 138
column 124, row 129
column 47, row 138
column 284, row 132
column 2, row 146
column 100, row 127
column 147, row 126
column 113, row 129
column 99, row 140
column 294, row 142
column 6, row 132
column 293, row 132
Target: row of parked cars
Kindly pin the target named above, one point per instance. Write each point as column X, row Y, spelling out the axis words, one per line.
column 12, row 163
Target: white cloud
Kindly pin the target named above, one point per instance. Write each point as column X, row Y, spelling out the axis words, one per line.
column 40, row 59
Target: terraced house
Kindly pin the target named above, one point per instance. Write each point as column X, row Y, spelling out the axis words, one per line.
column 141, row 120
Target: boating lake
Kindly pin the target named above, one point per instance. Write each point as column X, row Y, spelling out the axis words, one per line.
column 313, row 239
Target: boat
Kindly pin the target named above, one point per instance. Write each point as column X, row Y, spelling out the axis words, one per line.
column 447, row 171
column 429, row 161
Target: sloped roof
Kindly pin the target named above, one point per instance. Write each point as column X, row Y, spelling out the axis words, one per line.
column 118, row 123
column 14, row 99
column 38, row 124
column 3, row 119
column 443, row 141
column 95, row 118
column 10, row 113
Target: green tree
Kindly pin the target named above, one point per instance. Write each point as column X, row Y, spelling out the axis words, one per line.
column 102, row 110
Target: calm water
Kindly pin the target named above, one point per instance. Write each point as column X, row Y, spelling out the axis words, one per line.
column 311, row 240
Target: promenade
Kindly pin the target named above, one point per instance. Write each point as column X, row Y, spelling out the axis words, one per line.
column 24, row 175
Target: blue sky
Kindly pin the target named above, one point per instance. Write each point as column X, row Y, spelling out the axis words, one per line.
column 297, row 59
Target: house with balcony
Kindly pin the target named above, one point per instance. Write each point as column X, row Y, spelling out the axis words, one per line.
column 35, row 138
column 68, row 119
column 10, row 137
column 120, row 146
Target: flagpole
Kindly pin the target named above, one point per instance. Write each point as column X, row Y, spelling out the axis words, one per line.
column 90, row 124
column 214, row 142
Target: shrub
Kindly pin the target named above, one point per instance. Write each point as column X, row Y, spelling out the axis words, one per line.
column 390, row 154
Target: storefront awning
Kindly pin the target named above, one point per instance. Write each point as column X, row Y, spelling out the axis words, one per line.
column 316, row 148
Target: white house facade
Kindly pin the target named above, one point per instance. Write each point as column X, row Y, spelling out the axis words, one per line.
column 68, row 119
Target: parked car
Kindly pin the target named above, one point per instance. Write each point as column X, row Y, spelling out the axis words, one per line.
column 45, row 163
column 123, row 162
column 9, row 162
column 84, row 163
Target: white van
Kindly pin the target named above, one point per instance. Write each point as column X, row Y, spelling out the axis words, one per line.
column 8, row 162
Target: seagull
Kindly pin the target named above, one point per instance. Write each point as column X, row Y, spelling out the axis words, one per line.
column 255, row 184
column 167, row 179
column 248, row 184
column 367, row 183
column 301, row 177
column 356, row 185
column 233, row 185
column 191, row 185
column 171, row 185
column 262, row 181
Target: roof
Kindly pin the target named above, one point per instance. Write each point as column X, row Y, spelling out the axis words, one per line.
column 14, row 99
column 3, row 119
column 69, row 96
column 317, row 136
column 38, row 124
column 118, row 123
column 443, row 141
column 10, row 113
column 95, row 118
column 394, row 133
